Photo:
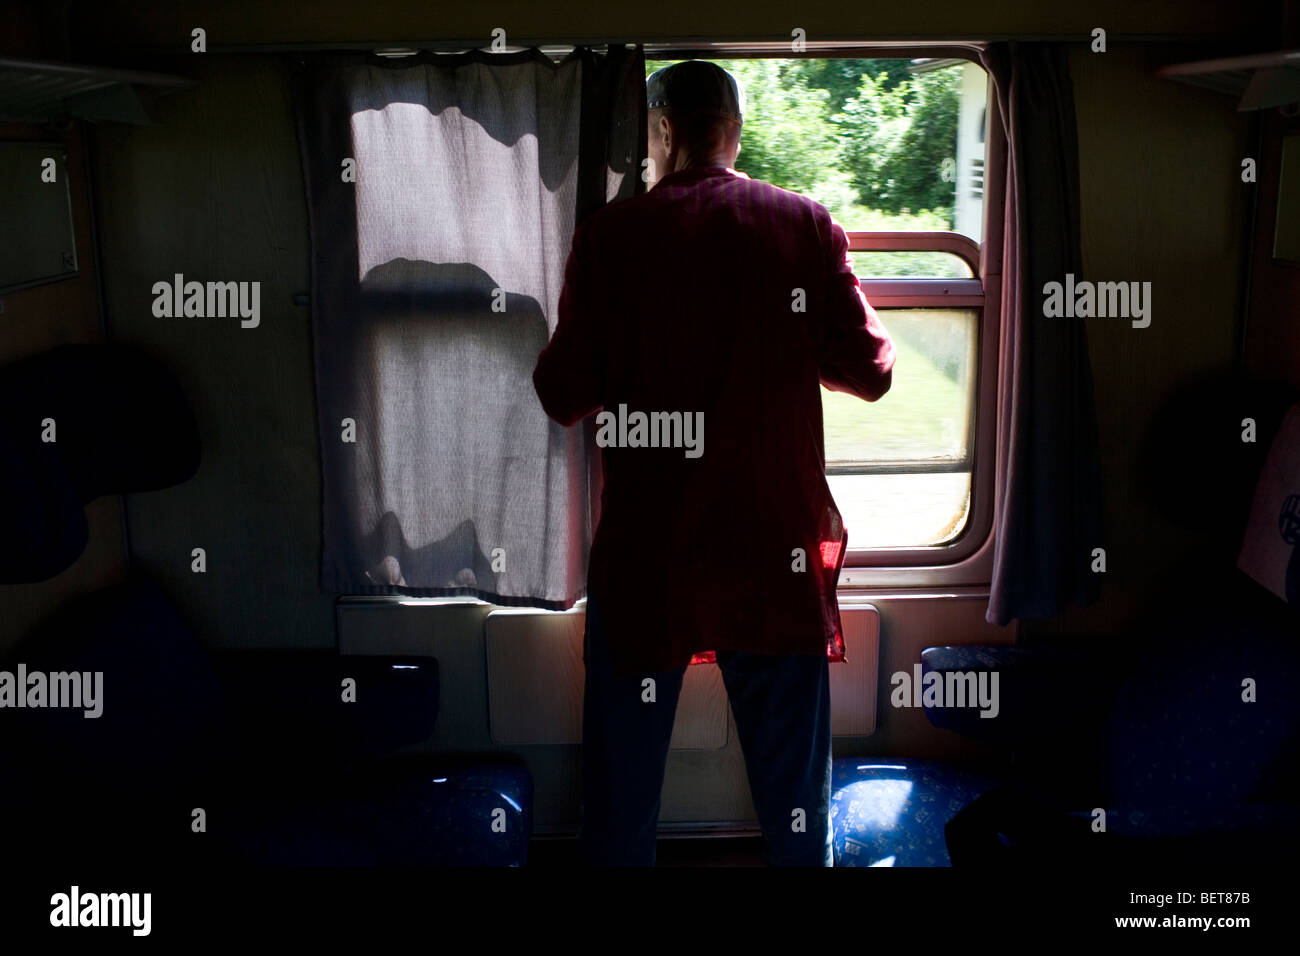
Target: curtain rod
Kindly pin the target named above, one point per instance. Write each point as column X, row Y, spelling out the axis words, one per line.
column 661, row 45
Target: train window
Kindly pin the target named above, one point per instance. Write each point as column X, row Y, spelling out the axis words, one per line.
column 898, row 265
column 894, row 148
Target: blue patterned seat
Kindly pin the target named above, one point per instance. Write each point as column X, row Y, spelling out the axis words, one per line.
column 891, row 812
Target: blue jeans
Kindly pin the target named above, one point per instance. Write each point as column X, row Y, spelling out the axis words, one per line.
column 782, row 707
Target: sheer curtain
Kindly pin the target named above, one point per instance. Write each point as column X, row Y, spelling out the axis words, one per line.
column 443, row 194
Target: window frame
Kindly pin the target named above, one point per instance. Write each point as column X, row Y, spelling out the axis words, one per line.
column 922, row 293
column 962, row 567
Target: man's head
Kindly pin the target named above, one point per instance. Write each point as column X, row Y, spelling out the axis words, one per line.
column 695, row 111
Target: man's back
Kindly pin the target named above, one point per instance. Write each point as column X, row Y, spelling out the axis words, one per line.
column 725, row 300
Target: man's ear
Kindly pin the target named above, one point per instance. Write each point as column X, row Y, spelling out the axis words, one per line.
column 665, row 133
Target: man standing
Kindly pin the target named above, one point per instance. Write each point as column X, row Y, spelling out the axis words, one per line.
column 701, row 316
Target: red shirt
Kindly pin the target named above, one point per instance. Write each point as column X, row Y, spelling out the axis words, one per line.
column 718, row 294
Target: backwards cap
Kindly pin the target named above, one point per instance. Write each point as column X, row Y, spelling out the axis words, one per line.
column 696, row 86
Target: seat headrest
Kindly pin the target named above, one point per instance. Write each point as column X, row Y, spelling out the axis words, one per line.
column 1270, row 549
column 1194, row 468
column 81, row 421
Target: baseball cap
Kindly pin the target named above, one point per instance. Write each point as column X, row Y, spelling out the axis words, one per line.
column 696, row 86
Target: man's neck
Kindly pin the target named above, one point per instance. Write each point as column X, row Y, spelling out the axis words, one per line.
column 707, row 161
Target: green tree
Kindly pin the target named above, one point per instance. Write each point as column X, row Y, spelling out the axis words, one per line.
column 931, row 138
column 895, row 140
column 840, row 77
column 788, row 140
column 871, row 126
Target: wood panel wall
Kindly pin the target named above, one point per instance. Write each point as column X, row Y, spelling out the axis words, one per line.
column 36, row 319
column 215, row 192
column 1273, row 327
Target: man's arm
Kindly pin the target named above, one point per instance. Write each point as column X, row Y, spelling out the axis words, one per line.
column 570, row 369
column 857, row 355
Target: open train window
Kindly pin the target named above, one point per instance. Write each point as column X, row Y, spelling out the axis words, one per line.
column 895, row 148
